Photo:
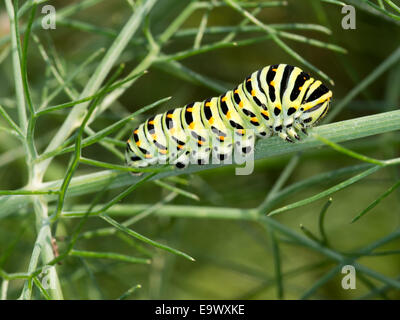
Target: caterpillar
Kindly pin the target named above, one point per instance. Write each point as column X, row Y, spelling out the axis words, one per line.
column 276, row 100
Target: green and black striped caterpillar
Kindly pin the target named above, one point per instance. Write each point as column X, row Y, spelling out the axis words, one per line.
column 278, row 99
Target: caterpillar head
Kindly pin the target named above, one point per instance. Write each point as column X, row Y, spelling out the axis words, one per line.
column 316, row 104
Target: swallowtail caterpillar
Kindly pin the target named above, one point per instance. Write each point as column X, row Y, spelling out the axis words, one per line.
column 275, row 100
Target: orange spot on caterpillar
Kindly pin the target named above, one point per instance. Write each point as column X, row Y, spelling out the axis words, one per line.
column 163, row 151
column 189, row 109
column 136, row 131
column 208, row 104
column 151, row 122
column 228, row 114
column 211, row 120
column 221, row 138
column 254, row 119
column 224, row 99
column 191, row 125
column 200, row 142
column 138, row 143
column 274, row 69
column 253, row 92
column 272, row 83
column 236, row 91
column 170, row 116
column 180, row 147
column 241, row 131
column 148, row 156
column 241, row 104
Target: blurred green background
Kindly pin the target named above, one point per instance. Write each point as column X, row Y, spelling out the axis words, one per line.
column 234, row 259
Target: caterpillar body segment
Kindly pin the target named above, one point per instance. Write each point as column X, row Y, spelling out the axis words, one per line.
column 221, row 135
column 275, row 100
column 199, row 145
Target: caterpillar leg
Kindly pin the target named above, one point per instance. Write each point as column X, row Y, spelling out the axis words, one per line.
column 283, row 135
column 134, row 159
column 301, row 127
column 136, row 174
column 288, row 134
column 287, row 129
column 292, row 133
column 136, row 162
column 183, row 160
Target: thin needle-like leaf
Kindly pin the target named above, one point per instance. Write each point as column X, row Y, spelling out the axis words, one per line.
column 377, row 201
column 143, row 238
column 321, row 221
column 276, row 39
column 327, row 192
column 108, row 255
column 129, row 292
column 348, row 152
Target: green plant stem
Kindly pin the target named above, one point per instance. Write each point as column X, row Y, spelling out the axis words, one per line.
column 377, row 201
column 393, row 5
column 278, row 265
column 384, row 66
column 41, row 288
column 4, row 289
column 143, row 238
column 336, row 132
column 326, row 277
column 233, row 213
column 16, row 60
column 100, row 135
column 108, row 255
column 308, row 233
column 348, row 152
column 280, row 181
column 276, row 38
column 78, row 112
column 43, row 242
column 325, row 193
column 129, row 292
column 175, row 211
column 70, row 78
column 137, row 217
column 44, row 249
column 11, row 123
column 321, row 221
